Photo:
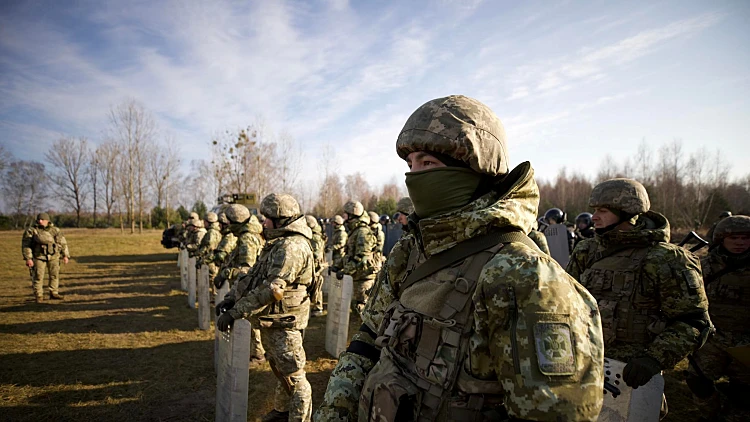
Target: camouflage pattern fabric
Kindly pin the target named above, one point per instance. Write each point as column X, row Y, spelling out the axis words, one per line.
column 540, row 240
column 488, row 355
column 318, row 247
column 286, row 355
column 52, row 268
column 206, row 249
column 193, row 239
column 377, row 231
column 360, row 262
column 44, row 243
column 338, row 246
column 670, row 291
column 626, row 195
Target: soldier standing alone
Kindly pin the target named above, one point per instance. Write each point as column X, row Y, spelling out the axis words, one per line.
column 42, row 246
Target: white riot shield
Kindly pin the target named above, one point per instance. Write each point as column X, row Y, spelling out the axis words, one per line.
column 179, row 259
column 183, row 269
column 640, row 405
column 204, row 306
column 191, row 282
column 220, row 293
column 326, row 273
column 557, row 239
column 232, row 374
column 337, row 322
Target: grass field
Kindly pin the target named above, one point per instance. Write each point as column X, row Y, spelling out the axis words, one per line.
column 123, row 345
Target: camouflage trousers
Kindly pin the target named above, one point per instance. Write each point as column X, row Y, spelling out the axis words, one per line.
column 52, row 267
column 317, row 303
column 286, row 356
column 360, row 293
column 256, row 344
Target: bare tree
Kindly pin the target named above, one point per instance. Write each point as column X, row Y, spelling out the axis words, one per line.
column 24, row 188
column 289, row 162
column 92, row 174
column 68, row 158
column 331, row 198
column 133, row 128
column 107, row 156
column 163, row 165
column 5, row 158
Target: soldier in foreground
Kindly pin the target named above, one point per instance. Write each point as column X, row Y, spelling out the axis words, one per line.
column 650, row 293
column 275, row 292
column 42, row 245
column 469, row 320
column 360, row 261
column 318, row 247
column 721, row 380
column 337, row 244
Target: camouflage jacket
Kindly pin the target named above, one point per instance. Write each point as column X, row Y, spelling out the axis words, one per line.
column 726, row 278
column 44, row 243
column 337, row 246
column 377, row 230
column 193, row 239
column 360, row 261
column 210, row 241
column 286, row 265
column 494, row 334
column 650, row 292
column 540, row 240
column 318, row 247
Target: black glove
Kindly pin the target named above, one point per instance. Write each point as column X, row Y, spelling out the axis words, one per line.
column 218, row 282
column 639, row 371
column 223, row 306
column 225, row 322
column 339, row 275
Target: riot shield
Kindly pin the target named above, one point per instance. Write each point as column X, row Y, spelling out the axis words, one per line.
column 220, row 293
column 327, row 273
column 191, row 281
column 557, row 239
column 232, row 373
column 183, row 269
column 637, row 405
column 204, row 306
column 337, row 322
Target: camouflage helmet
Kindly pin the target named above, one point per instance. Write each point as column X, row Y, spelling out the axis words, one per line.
column 194, row 216
column 311, row 221
column 738, row 224
column 211, row 217
column 354, row 208
column 237, row 213
column 626, row 195
column 459, row 127
column 405, row 206
column 223, row 218
column 280, row 206
column 42, row 216
column 374, row 217
column 339, row 220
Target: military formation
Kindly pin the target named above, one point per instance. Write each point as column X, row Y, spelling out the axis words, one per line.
column 468, row 317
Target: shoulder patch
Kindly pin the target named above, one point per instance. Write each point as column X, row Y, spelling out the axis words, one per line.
column 693, row 281
column 554, row 348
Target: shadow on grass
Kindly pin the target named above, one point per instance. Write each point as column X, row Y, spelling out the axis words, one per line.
column 119, row 259
column 135, row 382
column 104, row 304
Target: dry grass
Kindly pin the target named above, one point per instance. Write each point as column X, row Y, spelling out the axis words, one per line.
column 124, row 346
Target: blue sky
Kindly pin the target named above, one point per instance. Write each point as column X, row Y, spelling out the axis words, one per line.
column 571, row 81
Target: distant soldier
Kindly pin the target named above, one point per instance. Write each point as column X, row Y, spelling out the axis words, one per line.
column 208, row 245
column 710, row 234
column 584, row 227
column 275, row 293
column 404, row 208
column 223, row 250
column 721, row 379
column 195, row 233
column 360, row 261
column 650, row 292
column 318, row 248
column 377, row 230
column 557, row 216
column 42, row 246
column 337, row 243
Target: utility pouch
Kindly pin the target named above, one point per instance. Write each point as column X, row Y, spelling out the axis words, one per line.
column 278, row 321
column 387, row 395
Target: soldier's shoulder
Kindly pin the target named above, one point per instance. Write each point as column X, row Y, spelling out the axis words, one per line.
column 584, row 246
column 518, row 261
column 670, row 253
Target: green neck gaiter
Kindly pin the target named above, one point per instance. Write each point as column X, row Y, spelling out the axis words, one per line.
column 441, row 190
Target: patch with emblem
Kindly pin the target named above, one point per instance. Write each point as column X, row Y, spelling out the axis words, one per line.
column 693, row 281
column 554, row 348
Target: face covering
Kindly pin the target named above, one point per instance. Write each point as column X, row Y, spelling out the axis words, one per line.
column 441, row 190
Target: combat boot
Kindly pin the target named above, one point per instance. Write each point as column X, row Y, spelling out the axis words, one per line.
column 39, row 299
column 276, row 416
column 57, row 296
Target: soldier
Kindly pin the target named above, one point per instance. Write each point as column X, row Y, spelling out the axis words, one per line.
column 361, row 262
column 208, row 245
column 195, row 233
column 377, row 230
column 469, row 320
column 716, row 376
column 557, row 216
column 223, row 250
column 538, row 237
column 247, row 230
column 404, row 208
column 275, row 291
column 584, row 227
column 42, row 246
column 710, row 234
column 318, row 247
column 337, row 244
column 650, row 293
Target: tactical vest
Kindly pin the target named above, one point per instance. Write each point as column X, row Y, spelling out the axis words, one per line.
column 45, row 243
column 424, row 339
column 729, row 298
column 368, row 266
column 629, row 306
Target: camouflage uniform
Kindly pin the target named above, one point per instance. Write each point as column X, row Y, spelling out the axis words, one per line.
column 360, row 262
column 195, row 233
column 650, row 292
column 377, row 230
column 208, row 245
column 727, row 280
column 275, row 292
column 45, row 246
column 539, row 238
column 337, row 244
column 446, row 348
column 318, row 247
